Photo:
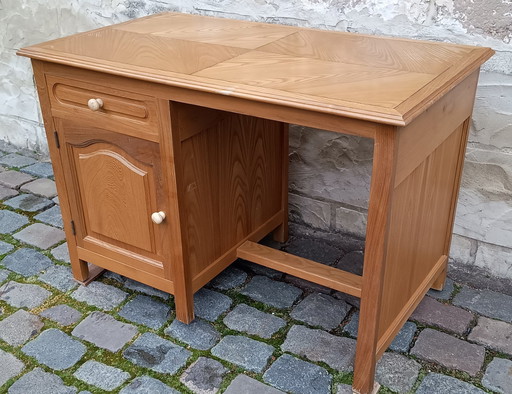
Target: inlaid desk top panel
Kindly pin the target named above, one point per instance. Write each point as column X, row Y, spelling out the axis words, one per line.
column 386, row 80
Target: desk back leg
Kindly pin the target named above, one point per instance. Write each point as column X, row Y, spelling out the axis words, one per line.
column 281, row 233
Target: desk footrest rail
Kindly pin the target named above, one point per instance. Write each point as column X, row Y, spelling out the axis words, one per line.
column 321, row 274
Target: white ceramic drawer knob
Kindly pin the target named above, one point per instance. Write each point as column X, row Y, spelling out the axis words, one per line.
column 158, row 217
column 95, row 104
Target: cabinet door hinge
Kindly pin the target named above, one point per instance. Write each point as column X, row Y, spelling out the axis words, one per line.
column 73, row 229
column 56, row 136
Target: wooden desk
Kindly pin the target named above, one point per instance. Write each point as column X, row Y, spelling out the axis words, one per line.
column 183, row 119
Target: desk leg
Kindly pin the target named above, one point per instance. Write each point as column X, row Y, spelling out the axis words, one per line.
column 281, row 233
column 384, row 158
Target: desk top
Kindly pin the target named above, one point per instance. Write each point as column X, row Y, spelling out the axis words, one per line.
column 386, row 80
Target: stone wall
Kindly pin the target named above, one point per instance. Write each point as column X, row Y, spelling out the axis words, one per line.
column 328, row 189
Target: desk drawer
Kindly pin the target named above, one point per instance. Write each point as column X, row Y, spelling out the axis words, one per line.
column 112, row 109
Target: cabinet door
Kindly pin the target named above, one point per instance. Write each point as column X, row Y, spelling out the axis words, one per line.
column 115, row 183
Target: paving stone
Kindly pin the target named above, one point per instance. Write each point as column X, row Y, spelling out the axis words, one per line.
column 40, row 235
column 204, row 376
column 306, row 285
column 247, row 319
column 21, row 295
column 11, row 367
column 209, row 304
column 11, row 221
column 3, row 275
column 15, row 160
column 41, row 187
column 142, row 288
column 494, row 334
column 228, row 279
column 349, row 299
column 51, row 216
column 314, row 249
column 450, row 352
column 55, row 349
column 318, row 345
column 397, row 372
column 321, row 310
column 39, row 382
column 448, row 317
column 100, row 295
column 27, row 262
column 29, row 203
column 104, row 331
column 19, row 327
column 270, row 292
column 5, row 247
column 402, row 341
column 261, row 270
column 62, row 314
column 435, row 383
column 344, row 389
column 444, row 294
column 352, row 262
column 60, row 277
column 485, row 302
column 56, row 200
column 61, row 252
column 199, row 334
column 7, row 192
column 243, row 384
column 101, row 375
column 296, row 376
column 498, row 375
column 244, row 352
column 40, row 170
column 14, row 179
column 147, row 385
column 145, row 310
column 158, row 354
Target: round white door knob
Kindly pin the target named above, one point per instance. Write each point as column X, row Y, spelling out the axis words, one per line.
column 158, row 217
column 95, row 104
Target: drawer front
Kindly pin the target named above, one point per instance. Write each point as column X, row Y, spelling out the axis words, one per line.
column 112, row 109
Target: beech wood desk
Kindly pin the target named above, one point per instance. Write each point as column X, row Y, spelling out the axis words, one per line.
column 168, row 136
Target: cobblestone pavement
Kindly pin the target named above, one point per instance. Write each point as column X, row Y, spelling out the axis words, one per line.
column 257, row 330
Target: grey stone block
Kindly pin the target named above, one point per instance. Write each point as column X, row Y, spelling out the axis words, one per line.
column 60, row 277
column 11, row 367
column 306, row 285
column 209, row 304
column 449, row 351
column 19, row 327
column 5, row 247
column 151, row 351
column 270, row 292
column 314, row 249
column 494, row 334
column 27, row 262
column 444, row 294
column 41, row 187
column 349, row 299
column 261, row 270
column 101, row 375
column 318, row 345
column 321, row 310
column 244, row 352
column 145, row 310
column 3, row 275
column 104, row 331
column 498, row 375
column 29, row 203
column 352, row 262
column 61, row 252
column 142, row 288
column 56, row 200
column 296, row 376
column 100, row 295
column 7, row 192
column 51, row 216
column 147, row 385
column 204, row 376
column 14, row 179
column 243, row 384
column 228, row 279
column 40, row 235
column 435, row 383
column 397, row 372
column 39, row 382
column 485, row 302
column 344, row 389
column 247, row 319
column 15, row 160
column 62, row 314
column 448, row 317
column 55, row 349
column 21, row 295
column 11, row 221
column 40, row 170
column 199, row 334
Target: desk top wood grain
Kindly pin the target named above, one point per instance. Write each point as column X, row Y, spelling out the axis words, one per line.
column 387, row 80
